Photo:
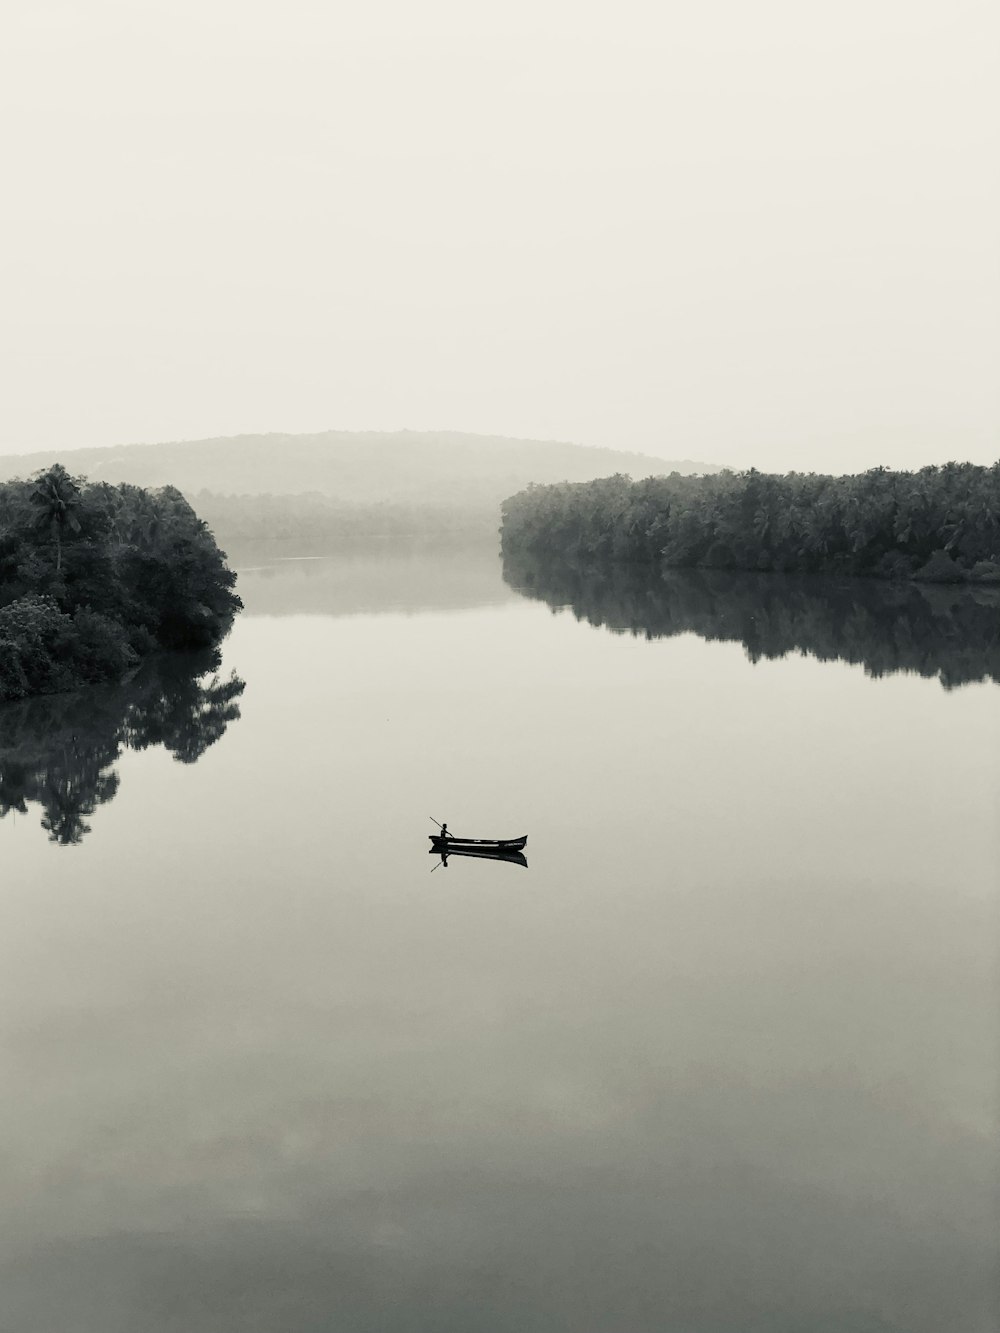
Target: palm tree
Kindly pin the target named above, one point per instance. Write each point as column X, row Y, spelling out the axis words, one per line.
column 57, row 494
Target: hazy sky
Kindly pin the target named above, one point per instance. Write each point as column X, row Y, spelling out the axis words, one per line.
column 750, row 231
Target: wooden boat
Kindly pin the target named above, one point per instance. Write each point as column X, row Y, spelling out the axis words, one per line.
column 453, row 844
column 509, row 858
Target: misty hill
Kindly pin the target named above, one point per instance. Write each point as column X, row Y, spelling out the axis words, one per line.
column 361, row 468
column 341, row 486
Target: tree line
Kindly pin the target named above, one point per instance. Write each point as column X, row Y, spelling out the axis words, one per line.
column 939, row 524
column 947, row 632
column 96, row 577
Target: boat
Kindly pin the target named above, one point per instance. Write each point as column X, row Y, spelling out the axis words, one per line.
column 509, row 858
column 453, row 844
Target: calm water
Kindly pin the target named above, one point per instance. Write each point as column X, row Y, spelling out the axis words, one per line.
column 723, row 1059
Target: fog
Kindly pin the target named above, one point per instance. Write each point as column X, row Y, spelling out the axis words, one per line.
column 751, row 234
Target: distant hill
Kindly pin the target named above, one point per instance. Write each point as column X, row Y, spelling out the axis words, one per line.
column 367, row 467
column 339, row 485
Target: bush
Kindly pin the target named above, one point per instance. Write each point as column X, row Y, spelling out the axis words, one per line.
column 894, row 565
column 940, row 568
column 36, row 636
column 13, row 681
column 101, row 650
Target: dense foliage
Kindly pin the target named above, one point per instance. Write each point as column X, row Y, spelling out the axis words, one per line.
column 58, row 752
column 94, row 577
column 949, row 632
column 941, row 524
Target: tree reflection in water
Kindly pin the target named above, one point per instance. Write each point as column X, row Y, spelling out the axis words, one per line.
column 58, row 751
column 951, row 632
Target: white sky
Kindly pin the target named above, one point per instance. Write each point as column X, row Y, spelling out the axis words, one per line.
column 750, row 231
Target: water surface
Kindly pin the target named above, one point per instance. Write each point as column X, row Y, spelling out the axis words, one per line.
column 723, row 1058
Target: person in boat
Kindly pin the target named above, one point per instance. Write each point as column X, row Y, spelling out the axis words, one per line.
column 444, row 832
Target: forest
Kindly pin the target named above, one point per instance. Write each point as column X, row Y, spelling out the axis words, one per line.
column 940, row 524
column 96, row 577
column 946, row 632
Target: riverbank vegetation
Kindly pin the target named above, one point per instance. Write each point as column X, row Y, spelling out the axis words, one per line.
column 940, row 525
column 96, row 577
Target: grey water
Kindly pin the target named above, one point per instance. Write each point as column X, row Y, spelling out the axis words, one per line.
column 723, row 1059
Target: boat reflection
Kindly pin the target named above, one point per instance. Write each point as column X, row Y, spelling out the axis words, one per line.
column 511, row 857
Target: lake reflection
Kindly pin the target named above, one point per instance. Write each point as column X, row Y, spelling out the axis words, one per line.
column 723, row 1060
column 374, row 578
column 951, row 632
column 58, row 751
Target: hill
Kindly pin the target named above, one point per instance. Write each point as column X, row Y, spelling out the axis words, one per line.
column 337, row 486
column 360, row 468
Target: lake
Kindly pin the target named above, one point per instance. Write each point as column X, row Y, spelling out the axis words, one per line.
column 722, row 1059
